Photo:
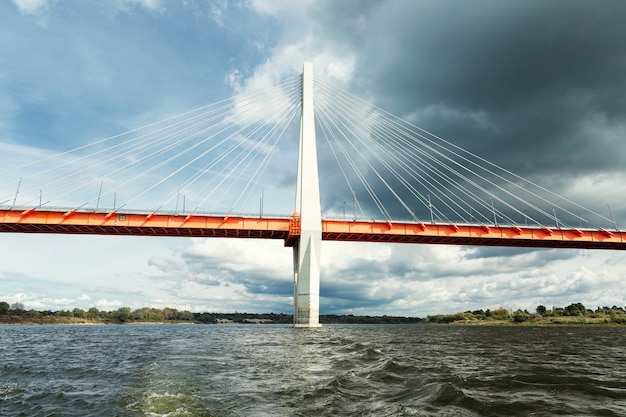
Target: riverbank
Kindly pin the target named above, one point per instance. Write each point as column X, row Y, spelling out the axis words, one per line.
column 543, row 321
column 54, row 320
column 204, row 318
column 21, row 320
column 575, row 314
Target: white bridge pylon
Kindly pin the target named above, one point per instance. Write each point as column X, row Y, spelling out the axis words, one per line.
column 306, row 252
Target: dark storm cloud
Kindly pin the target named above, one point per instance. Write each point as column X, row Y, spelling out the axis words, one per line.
column 263, row 285
column 342, row 294
column 204, row 264
column 534, row 86
column 357, row 283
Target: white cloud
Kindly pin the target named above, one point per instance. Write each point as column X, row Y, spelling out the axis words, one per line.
column 33, row 6
column 220, row 265
column 419, row 280
column 283, row 9
column 151, row 5
column 301, row 40
column 217, row 8
column 108, row 305
column 42, row 302
column 84, row 297
column 241, row 255
column 608, row 188
column 223, row 275
column 330, row 61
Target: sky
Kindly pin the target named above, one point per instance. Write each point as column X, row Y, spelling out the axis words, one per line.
column 534, row 86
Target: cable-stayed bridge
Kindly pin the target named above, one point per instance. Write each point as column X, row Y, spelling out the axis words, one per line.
column 361, row 174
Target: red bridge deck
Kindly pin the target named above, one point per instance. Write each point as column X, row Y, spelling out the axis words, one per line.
column 288, row 229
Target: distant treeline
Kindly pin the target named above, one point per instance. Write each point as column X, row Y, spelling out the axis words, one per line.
column 146, row 314
column 613, row 314
column 542, row 314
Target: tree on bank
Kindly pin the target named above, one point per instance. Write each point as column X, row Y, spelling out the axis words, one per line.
column 613, row 315
column 577, row 313
column 18, row 308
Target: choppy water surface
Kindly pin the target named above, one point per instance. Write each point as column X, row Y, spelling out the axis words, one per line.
column 271, row 370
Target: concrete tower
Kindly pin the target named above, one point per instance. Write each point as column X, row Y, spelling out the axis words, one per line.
column 306, row 253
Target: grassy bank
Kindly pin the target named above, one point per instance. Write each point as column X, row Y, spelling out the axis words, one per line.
column 543, row 321
column 199, row 318
column 24, row 320
column 572, row 315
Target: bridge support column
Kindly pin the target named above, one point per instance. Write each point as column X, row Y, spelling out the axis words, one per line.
column 306, row 252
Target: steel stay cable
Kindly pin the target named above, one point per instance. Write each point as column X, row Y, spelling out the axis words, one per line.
column 131, row 150
column 429, row 156
column 375, row 197
column 349, row 116
column 393, row 117
column 72, row 174
column 411, row 170
column 484, row 190
column 130, row 131
column 355, row 126
column 335, row 113
column 103, row 140
column 201, row 172
column 195, row 158
column 329, row 133
column 326, row 120
column 221, row 174
column 159, row 165
column 232, row 121
column 235, row 116
column 224, row 154
column 330, row 120
column 326, row 133
column 469, row 194
column 403, row 157
column 228, row 122
column 520, row 178
column 125, row 144
column 144, row 159
column 265, row 163
column 276, row 116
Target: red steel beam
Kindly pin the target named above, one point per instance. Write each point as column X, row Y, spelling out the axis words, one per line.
column 142, row 224
column 153, row 224
column 479, row 235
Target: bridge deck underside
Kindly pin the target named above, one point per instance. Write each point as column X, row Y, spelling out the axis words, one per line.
column 150, row 224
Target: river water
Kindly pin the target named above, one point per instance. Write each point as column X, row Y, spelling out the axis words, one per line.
column 275, row 370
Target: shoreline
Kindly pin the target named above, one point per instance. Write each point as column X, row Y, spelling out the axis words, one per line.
column 77, row 321
column 542, row 322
